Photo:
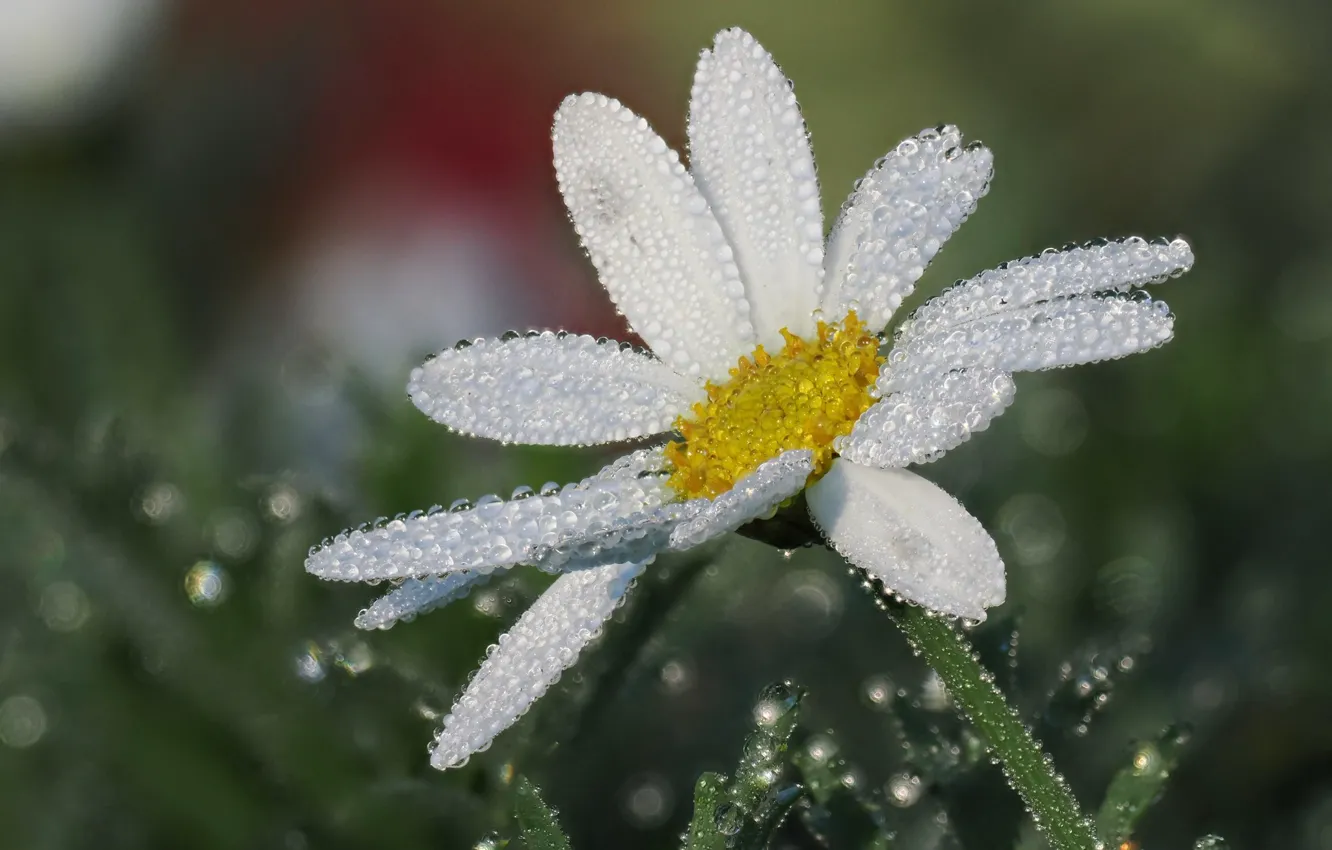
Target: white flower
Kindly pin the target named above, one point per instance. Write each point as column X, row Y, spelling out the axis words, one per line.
column 767, row 365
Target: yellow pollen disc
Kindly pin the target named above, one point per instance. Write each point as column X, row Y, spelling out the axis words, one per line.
column 804, row 397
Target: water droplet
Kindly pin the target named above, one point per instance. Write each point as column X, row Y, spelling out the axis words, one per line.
column 488, row 602
column 728, row 818
column 903, row 789
column 309, row 662
column 774, row 702
column 1147, row 759
column 821, row 748
column 759, row 749
column 878, row 692
column 206, row 584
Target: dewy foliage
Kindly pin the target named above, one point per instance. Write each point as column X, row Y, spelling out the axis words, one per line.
column 541, row 831
column 1138, row 785
column 794, row 784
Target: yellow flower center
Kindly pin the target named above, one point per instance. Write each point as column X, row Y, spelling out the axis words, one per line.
column 806, row 396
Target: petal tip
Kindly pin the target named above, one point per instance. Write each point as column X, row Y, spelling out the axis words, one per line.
column 730, row 35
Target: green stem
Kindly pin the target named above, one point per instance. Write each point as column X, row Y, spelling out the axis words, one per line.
column 1046, row 795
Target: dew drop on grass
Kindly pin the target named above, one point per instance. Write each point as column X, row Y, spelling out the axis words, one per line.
column 774, row 702
column 728, row 819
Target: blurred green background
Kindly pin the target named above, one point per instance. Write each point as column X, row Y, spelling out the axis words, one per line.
column 227, row 230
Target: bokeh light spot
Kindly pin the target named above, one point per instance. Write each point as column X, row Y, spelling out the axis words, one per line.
column 22, row 721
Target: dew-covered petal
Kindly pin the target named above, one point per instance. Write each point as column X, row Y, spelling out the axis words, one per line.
column 1097, row 267
column 530, row 658
column 749, row 152
column 911, row 535
column 636, row 464
column 550, row 389
column 656, row 244
column 899, row 216
column 932, row 415
column 494, row 533
column 639, row 535
column 1046, row 335
column 755, row 496
column 417, row 596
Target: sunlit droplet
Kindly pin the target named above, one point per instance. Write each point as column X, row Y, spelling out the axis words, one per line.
column 776, row 700
column 353, row 657
column 309, row 663
column 903, row 789
column 206, row 584
column 821, row 748
column 1146, row 759
column 488, row 602
column 878, row 692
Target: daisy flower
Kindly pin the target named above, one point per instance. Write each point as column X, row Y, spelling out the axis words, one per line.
column 768, row 369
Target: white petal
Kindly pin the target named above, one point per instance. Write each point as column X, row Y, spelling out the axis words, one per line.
column 750, row 154
column 929, row 417
column 540, row 529
column 1066, row 332
column 911, row 535
column 636, row 464
column 637, row 536
column 1092, row 268
column 550, row 389
column 897, row 219
column 657, row 246
column 754, row 496
column 530, row 658
column 417, row 596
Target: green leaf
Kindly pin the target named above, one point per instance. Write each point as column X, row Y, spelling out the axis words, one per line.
column 709, row 793
column 541, row 831
column 838, row 814
column 1138, row 785
column 745, row 812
